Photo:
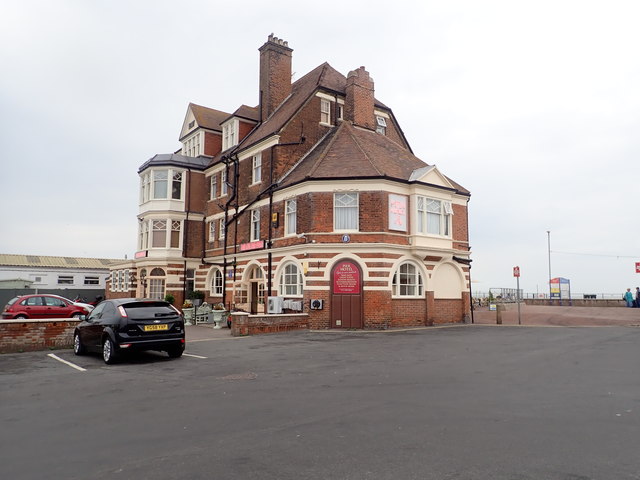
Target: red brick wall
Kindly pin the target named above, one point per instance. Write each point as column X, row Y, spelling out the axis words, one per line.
column 32, row 335
column 448, row 311
column 243, row 324
column 212, row 143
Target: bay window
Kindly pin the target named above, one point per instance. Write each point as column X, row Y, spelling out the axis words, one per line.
column 433, row 216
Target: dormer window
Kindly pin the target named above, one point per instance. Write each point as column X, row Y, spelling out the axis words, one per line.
column 191, row 147
column 230, row 134
column 381, row 125
column 325, row 112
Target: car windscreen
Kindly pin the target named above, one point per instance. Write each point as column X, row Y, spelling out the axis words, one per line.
column 149, row 310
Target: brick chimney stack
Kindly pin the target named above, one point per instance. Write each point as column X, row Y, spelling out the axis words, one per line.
column 358, row 105
column 275, row 74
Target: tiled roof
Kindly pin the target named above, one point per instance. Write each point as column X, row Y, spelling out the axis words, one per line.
column 162, row 159
column 352, row 152
column 9, row 260
column 208, row 117
column 322, row 77
column 246, row 112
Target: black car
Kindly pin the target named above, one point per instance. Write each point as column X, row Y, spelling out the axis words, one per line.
column 127, row 324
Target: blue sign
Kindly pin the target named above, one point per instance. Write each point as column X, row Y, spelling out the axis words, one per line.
column 346, row 238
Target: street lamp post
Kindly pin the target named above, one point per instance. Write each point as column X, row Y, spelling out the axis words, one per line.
column 549, row 253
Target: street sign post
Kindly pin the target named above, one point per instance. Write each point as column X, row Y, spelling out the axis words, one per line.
column 516, row 273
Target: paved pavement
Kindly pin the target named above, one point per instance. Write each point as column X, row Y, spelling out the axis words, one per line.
column 465, row 402
column 543, row 315
column 204, row 332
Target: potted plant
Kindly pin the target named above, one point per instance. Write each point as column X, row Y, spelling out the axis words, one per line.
column 187, row 312
column 196, row 297
column 219, row 314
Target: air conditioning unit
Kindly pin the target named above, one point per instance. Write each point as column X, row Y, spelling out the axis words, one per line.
column 316, row 304
column 274, row 304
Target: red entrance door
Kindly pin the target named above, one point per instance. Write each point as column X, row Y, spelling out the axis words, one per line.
column 346, row 295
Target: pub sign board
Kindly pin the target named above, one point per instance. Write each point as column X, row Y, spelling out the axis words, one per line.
column 346, row 278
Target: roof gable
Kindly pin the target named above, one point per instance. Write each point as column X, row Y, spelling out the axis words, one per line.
column 431, row 175
column 198, row 116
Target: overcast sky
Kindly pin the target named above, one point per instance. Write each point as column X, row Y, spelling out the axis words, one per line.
column 534, row 106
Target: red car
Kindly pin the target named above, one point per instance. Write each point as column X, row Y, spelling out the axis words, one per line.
column 43, row 306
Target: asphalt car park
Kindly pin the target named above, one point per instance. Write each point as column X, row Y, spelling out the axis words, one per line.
column 466, row 402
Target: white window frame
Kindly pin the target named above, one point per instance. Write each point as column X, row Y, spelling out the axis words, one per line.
column 212, row 230
column 159, row 180
column 230, row 134
column 217, row 282
column 221, row 229
column 176, row 226
column 66, row 280
column 408, row 281
column 145, row 187
column 433, row 216
column 213, row 186
column 290, row 217
column 339, row 213
column 176, row 178
column 381, row 125
column 291, row 281
column 325, row 111
column 255, row 224
column 256, row 168
column 155, row 224
column 172, row 177
column 223, row 183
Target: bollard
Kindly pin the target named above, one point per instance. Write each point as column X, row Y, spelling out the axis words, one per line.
column 499, row 310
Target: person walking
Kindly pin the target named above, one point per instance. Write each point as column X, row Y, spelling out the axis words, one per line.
column 628, row 297
column 638, row 297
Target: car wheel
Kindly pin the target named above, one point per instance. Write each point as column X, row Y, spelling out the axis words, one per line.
column 175, row 352
column 76, row 315
column 78, row 348
column 21, row 317
column 109, row 353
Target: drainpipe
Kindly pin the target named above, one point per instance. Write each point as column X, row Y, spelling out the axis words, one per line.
column 185, row 233
column 272, row 185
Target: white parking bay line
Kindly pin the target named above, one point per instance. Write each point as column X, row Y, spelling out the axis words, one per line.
column 191, row 355
column 72, row 365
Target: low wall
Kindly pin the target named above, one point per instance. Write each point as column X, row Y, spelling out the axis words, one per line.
column 243, row 324
column 576, row 302
column 37, row 334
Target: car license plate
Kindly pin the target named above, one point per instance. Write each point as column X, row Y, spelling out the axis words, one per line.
column 153, row 328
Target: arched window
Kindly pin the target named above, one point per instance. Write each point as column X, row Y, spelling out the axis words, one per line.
column 407, row 281
column 290, row 280
column 216, row 282
column 156, row 284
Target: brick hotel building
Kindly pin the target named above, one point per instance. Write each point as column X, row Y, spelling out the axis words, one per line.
column 313, row 198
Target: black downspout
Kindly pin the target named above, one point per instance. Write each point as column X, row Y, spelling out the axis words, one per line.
column 185, row 235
